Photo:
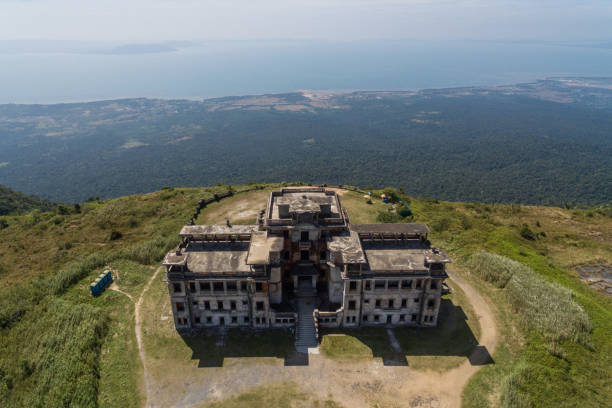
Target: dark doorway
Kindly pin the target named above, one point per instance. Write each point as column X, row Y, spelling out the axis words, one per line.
column 304, row 255
column 222, row 321
column 389, row 319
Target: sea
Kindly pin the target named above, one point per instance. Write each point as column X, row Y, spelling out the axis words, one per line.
column 207, row 69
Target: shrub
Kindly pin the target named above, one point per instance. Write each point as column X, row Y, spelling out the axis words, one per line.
column 388, row 217
column 3, row 223
column 114, row 235
column 527, row 233
column 404, row 212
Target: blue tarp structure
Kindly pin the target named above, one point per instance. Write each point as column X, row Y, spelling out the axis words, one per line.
column 100, row 283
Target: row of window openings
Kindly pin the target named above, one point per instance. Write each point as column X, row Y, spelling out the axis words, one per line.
column 402, row 318
column 232, row 286
column 392, row 284
column 390, row 303
column 234, row 320
column 180, row 306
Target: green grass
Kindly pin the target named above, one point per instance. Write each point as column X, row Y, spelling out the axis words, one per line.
column 60, row 346
column 83, row 350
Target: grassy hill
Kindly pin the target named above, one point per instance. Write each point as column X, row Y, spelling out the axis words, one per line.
column 12, row 201
column 61, row 347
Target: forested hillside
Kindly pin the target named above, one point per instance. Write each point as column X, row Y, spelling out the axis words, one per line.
column 546, row 143
column 12, row 201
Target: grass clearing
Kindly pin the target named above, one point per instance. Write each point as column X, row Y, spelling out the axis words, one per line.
column 439, row 349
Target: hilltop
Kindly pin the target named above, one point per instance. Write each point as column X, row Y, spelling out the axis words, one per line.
column 546, row 142
column 84, row 351
column 12, row 201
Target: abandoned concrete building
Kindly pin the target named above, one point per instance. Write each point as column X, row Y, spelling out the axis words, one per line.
column 304, row 265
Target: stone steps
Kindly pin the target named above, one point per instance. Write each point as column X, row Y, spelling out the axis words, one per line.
column 305, row 333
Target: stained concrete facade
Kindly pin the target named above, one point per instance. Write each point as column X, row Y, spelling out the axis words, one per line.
column 250, row 275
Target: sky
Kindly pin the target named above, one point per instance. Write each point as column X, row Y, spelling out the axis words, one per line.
column 340, row 20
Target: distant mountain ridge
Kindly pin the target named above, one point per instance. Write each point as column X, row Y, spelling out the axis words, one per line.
column 12, row 201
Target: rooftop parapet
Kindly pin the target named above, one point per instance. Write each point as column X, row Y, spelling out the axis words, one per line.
column 311, row 205
column 390, row 231
column 218, row 232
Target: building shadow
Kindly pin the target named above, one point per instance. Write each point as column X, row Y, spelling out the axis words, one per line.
column 214, row 347
column 452, row 337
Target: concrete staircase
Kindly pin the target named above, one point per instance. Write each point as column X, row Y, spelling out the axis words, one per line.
column 306, row 300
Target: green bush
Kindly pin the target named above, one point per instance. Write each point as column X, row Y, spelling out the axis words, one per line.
column 388, row 217
column 527, row 233
column 114, row 235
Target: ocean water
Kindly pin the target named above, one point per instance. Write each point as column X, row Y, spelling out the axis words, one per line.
column 213, row 69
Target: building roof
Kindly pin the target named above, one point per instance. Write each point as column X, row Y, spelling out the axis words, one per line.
column 348, row 246
column 219, row 229
column 395, row 256
column 304, row 201
column 261, row 246
column 218, row 258
column 401, row 228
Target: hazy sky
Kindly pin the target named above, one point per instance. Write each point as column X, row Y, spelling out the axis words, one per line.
column 158, row 20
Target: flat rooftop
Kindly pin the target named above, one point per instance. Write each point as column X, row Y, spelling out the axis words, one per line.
column 261, row 246
column 396, row 256
column 401, row 228
column 305, row 202
column 348, row 246
column 213, row 257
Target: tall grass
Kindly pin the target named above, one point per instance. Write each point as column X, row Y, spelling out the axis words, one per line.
column 548, row 308
column 512, row 389
column 494, row 268
column 56, row 360
column 543, row 306
column 150, row 251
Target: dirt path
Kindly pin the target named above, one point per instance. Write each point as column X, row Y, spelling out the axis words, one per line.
column 114, row 287
column 147, row 377
column 354, row 384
